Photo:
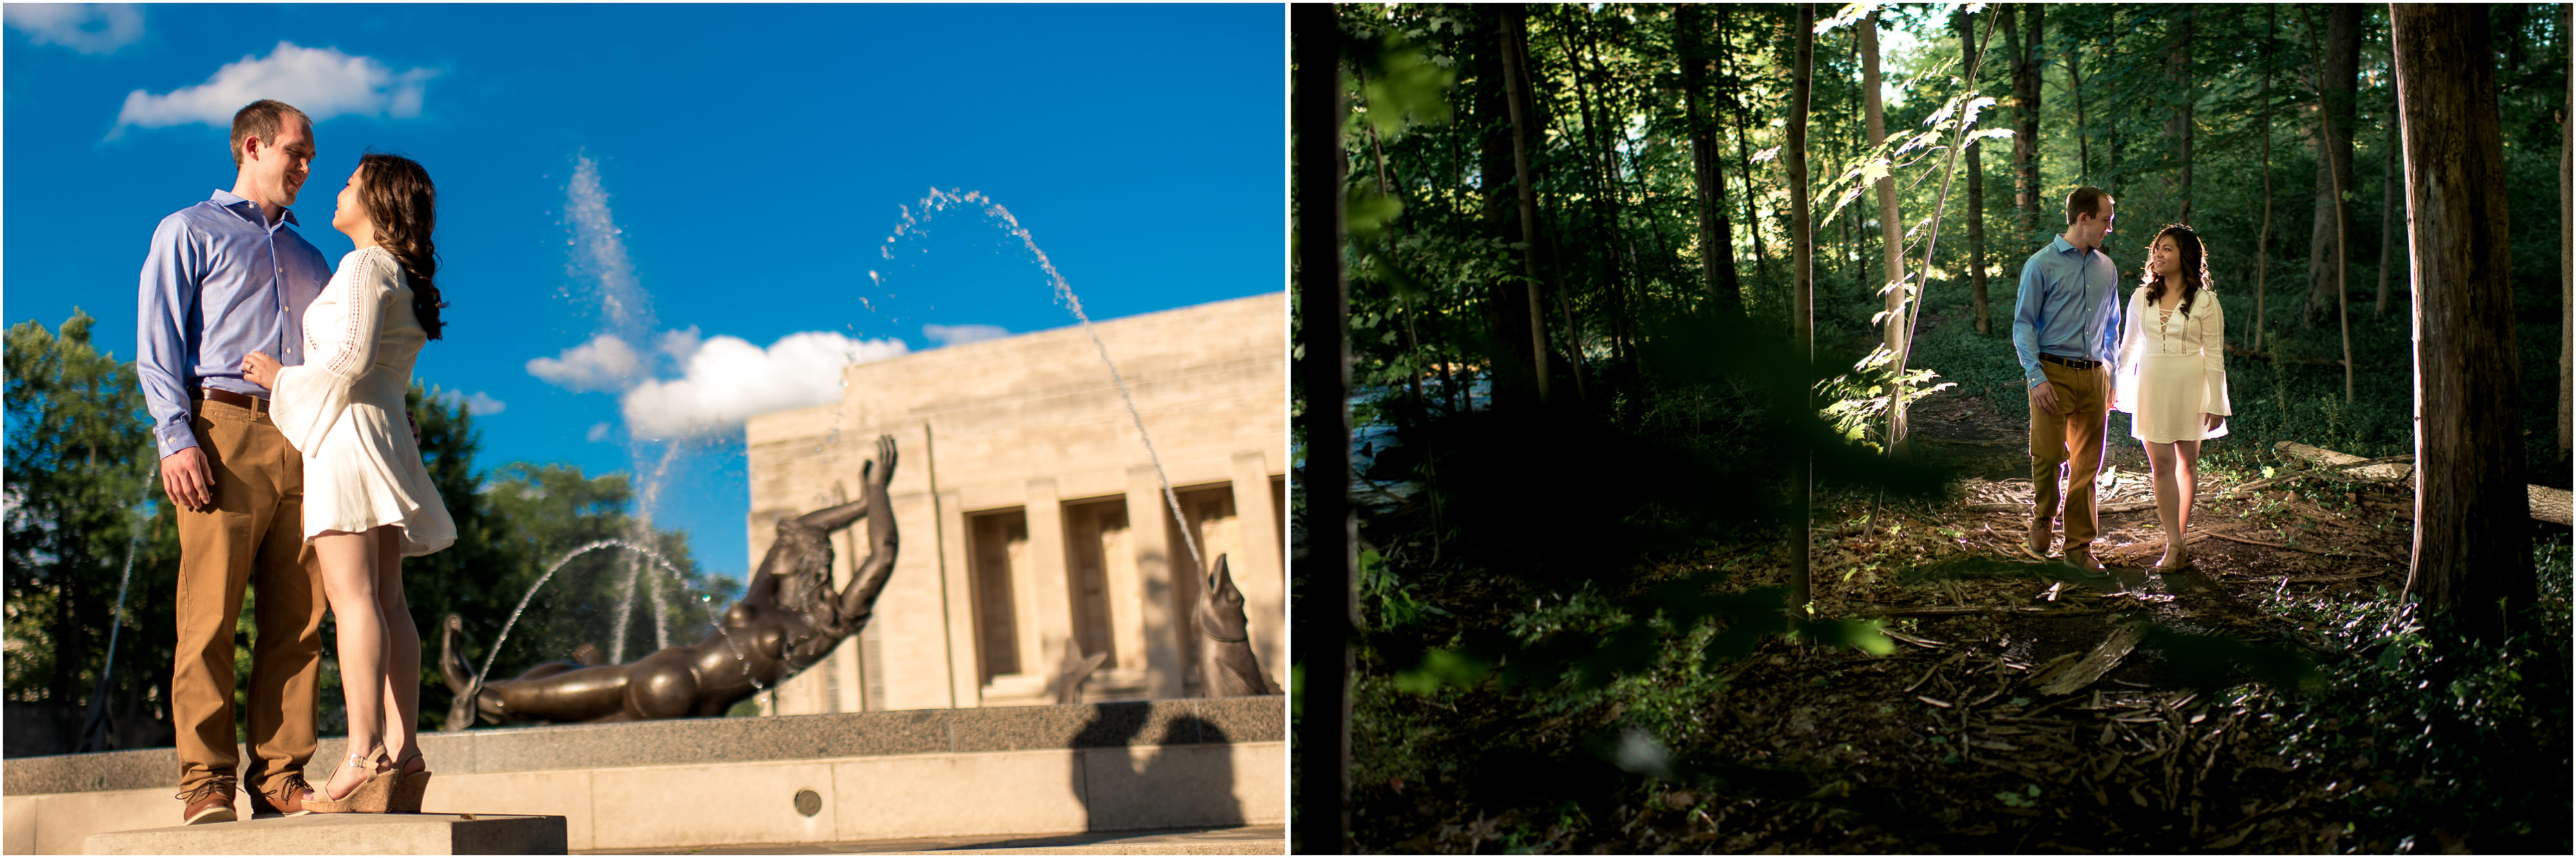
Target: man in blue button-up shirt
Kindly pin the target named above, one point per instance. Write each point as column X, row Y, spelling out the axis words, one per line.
column 2066, row 327
column 224, row 278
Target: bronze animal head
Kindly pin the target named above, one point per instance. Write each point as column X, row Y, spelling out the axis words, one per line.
column 1219, row 614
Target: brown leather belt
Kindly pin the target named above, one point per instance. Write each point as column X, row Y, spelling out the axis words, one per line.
column 2070, row 363
column 254, row 403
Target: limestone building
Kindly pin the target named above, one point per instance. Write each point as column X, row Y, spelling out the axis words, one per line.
column 1030, row 512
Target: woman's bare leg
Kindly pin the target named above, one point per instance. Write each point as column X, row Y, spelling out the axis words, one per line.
column 2161, row 458
column 349, row 582
column 402, row 652
column 2188, row 452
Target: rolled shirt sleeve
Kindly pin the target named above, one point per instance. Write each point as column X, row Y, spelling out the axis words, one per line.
column 163, row 351
column 2027, row 306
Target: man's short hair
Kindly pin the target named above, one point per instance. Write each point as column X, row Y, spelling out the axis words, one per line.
column 2086, row 200
column 264, row 119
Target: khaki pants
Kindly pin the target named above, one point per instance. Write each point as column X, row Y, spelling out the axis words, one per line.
column 2072, row 435
column 257, row 525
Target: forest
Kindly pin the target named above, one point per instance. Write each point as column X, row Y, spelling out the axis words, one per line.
column 1665, row 455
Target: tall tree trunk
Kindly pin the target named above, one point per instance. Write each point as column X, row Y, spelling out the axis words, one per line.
column 1976, row 187
column 2339, row 176
column 1743, row 142
column 1507, row 308
column 1802, row 229
column 2566, row 263
column 1912, row 314
column 2179, row 128
column 1716, row 237
column 1891, row 224
column 1607, row 198
column 2388, row 192
column 1516, row 83
column 2472, row 557
column 2263, row 241
column 2083, row 135
column 2103, row 58
column 1331, row 537
column 2337, row 68
column 2026, row 68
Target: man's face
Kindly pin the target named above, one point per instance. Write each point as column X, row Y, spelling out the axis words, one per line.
column 278, row 168
column 2095, row 228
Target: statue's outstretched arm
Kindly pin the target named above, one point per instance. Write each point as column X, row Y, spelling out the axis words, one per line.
column 834, row 518
column 869, row 579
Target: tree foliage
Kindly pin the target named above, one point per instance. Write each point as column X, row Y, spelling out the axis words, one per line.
column 86, row 513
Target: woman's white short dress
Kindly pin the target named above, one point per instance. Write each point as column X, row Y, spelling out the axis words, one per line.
column 2172, row 369
column 343, row 409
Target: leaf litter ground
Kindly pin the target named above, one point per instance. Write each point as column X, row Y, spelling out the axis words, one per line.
column 2017, row 715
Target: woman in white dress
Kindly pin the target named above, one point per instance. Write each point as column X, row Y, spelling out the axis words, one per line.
column 368, row 500
column 2173, row 376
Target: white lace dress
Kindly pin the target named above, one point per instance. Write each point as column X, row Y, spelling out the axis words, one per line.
column 343, row 409
column 2172, row 369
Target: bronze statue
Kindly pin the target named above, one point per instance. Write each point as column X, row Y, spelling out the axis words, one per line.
column 1227, row 667
column 789, row 619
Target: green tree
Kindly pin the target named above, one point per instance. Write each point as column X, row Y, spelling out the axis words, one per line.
column 512, row 524
column 78, row 471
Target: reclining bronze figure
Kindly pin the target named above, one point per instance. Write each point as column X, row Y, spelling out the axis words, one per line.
column 788, row 619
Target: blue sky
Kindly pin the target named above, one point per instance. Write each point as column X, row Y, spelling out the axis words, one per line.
column 732, row 173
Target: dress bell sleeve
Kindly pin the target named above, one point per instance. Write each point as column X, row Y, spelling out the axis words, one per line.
column 2213, row 348
column 309, row 398
column 2124, row 372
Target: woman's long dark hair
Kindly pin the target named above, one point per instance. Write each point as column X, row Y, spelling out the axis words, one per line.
column 404, row 205
column 2193, row 262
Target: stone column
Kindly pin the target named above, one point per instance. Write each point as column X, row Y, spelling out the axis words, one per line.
column 1149, row 530
column 1049, row 581
column 1255, row 564
column 957, row 594
column 845, row 660
column 1123, row 589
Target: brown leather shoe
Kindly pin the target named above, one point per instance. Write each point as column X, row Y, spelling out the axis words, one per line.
column 2082, row 558
column 2041, row 536
column 286, row 799
column 209, row 802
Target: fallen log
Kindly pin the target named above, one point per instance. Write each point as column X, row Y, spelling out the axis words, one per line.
column 1946, row 610
column 2547, row 504
column 2364, row 552
column 2102, row 660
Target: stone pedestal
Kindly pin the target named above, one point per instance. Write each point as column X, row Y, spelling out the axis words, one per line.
column 345, row 834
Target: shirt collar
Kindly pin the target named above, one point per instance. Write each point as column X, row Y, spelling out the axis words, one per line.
column 238, row 203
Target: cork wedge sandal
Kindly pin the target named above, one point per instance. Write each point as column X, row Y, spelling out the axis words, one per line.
column 411, row 781
column 369, row 796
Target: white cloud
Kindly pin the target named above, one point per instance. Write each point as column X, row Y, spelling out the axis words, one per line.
column 598, row 432
column 680, row 344
column 322, row 82
column 479, row 404
column 958, row 335
column 90, row 28
column 604, row 363
column 729, row 379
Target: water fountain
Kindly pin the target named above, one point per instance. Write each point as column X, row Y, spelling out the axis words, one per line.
column 938, row 201
column 626, row 313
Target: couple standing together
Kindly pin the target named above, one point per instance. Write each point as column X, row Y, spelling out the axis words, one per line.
column 274, row 384
column 2166, row 366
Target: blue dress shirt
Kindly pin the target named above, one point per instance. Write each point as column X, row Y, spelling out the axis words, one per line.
column 222, row 281
column 2068, row 306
